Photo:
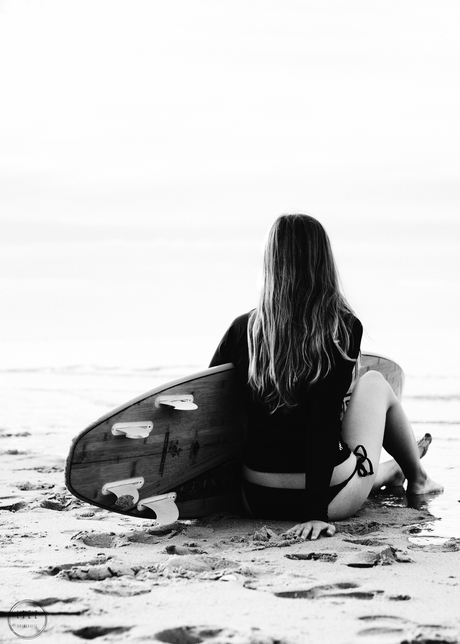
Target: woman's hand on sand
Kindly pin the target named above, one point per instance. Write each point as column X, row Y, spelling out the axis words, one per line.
column 311, row 529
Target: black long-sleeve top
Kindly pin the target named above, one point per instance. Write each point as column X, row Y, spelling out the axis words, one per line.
column 304, row 439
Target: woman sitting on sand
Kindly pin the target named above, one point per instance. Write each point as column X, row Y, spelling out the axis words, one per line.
column 295, row 355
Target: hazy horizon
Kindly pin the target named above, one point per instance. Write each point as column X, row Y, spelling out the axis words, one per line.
column 147, row 147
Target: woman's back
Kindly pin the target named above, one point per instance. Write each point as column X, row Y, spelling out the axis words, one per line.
column 305, row 438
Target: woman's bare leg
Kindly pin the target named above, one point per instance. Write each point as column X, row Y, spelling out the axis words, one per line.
column 390, row 474
column 375, row 417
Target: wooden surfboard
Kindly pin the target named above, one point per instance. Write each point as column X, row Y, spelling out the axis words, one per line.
column 175, row 451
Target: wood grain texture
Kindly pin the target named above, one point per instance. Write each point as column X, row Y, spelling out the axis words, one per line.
column 196, row 453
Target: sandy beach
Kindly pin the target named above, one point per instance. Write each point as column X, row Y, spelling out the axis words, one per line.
column 99, row 576
column 147, row 147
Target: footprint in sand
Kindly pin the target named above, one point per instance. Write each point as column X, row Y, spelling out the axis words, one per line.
column 64, row 606
column 92, row 632
column 385, row 555
column 434, row 637
column 101, row 539
column 416, row 633
column 384, row 625
column 27, row 485
column 57, row 505
column 370, row 541
column 434, row 544
column 110, row 577
column 421, row 639
column 12, row 504
column 369, row 558
column 207, row 635
column 344, row 590
column 122, row 587
column 54, row 570
column 116, row 540
column 199, row 566
column 4, row 433
column 184, row 550
column 98, row 572
column 330, row 557
column 355, row 527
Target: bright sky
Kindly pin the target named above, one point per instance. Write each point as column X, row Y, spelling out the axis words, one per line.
column 146, row 146
column 167, row 111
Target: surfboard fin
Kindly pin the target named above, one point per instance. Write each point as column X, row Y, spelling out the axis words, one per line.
column 126, row 491
column 182, row 402
column 163, row 505
column 139, row 429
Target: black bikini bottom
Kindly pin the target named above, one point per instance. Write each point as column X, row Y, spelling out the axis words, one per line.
column 286, row 504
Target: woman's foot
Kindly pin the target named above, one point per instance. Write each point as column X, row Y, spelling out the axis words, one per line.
column 424, row 485
column 423, row 444
column 391, row 475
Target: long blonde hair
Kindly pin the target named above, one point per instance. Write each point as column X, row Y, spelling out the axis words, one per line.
column 301, row 315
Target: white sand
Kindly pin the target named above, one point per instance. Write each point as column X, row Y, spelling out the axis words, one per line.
column 219, row 580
